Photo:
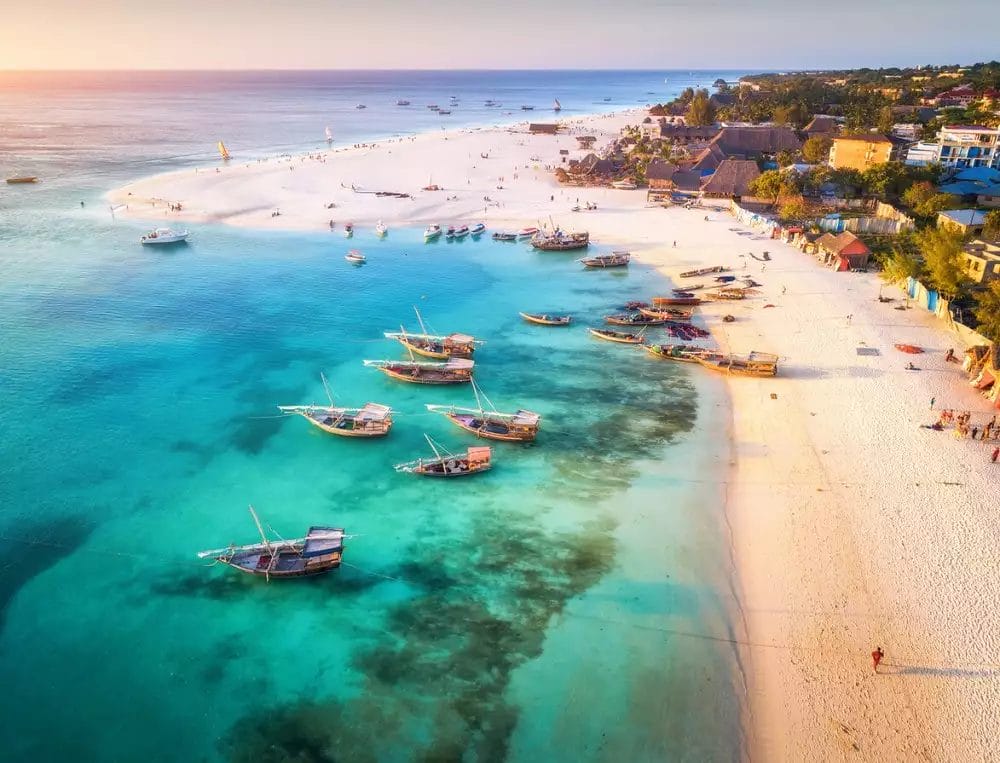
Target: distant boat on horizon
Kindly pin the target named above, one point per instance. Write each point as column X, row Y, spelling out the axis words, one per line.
column 557, row 106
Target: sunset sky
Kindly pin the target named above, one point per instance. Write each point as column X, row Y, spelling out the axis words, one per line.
column 317, row 34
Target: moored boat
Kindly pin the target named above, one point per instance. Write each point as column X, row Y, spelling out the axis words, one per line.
column 22, row 179
column 528, row 232
column 355, row 257
column 381, row 229
column 666, row 301
column 683, row 353
column 624, row 185
column 455, row 371
column 461, row 231
column 402, row 103
column 349, row 230
column 163, row 236
column 704, row 271
column 434, row 345
column 666, row 313
column 559, row 241
column 361, row 106
column 372, row 420
column 491, row 424
column 633, row 319
column 432, row 232
column 557, row 106
column 318, row 552
column 545, row 319
column 504, row 236
column 759, row 364
column 622, row 337
column 477, row 229
column 613, row 260
column 527, row 108
column 446, row 464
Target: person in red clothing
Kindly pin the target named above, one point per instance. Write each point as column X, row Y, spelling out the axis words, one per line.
column 877, row 656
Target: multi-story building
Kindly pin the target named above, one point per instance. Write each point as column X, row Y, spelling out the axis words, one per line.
column 859, row 152
column 959, row 146
column 981, row 260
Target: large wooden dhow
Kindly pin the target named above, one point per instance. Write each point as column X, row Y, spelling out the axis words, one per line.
column 436, row 346
column 666, row 313
column 489, row 423
column 455, row 371
column 560, row 241
column 372, row 420
column 704, row 271
column 318, row 552
column 759, row 364
column 446, row 464
column 634, row 319
column 547, row 319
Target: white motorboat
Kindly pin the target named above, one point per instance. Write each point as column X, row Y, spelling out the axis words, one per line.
column 527, row 232
column 355, row 257
column 361, row 106
column 164, row 236
column 381, row 229
column 432, row 232
column 349, row 230
column 477, row 229
column 402, row 103
column 461, row 231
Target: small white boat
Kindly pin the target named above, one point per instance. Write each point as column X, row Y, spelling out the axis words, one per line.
column 349, row 230
column 402, row 103
column 527, row 232
column 461, row 232
column 444, row 111
column 355, row 257
column 557, row 106
column 381, row 229
column 329, row 135
column 361, row 106
column 433, row 106
column 477, row 229
column 432, row 232
column 527, row 108
column 163, row 236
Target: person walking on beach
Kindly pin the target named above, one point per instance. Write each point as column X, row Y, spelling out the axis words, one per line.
column 932, row 402
column 975, row 431
column 877, row 656
column 996, row 454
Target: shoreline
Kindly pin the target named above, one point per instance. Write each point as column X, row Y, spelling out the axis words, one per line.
column 839, row 509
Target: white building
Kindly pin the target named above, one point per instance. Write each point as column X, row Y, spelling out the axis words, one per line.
column 959, row 146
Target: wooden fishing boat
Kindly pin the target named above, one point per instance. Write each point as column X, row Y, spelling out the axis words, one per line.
column 355, row 257
column 683, row 353
column 528, row 232
column 373, row 420
column 759, row 364
column 613, row 260
column 445, row 464
column 433, row 345
column 544, row 319
column 504, row 236
column 320, row 551
column 489, row 423
column 688, row 289
column 559, row 241
column 704, row 271
column 633, row 319
column 455, row 371
column 622, row 337
column 22, row 179
column 666, row 313
column 665, row 301
column 634, row 305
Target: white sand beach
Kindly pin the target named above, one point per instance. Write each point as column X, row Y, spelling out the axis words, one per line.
column 851, row 525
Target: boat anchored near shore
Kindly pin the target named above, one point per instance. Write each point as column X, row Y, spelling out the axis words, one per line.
column 163, row 236
column 455, row 371
column 491, row 424
column 446, row 464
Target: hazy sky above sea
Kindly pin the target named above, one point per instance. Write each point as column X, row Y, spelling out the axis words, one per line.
column 507, row 34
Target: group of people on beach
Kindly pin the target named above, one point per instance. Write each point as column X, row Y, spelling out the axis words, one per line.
column 963, row 427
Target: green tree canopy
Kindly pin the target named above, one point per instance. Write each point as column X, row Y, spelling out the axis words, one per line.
column 816, row 149
column 941, row 250
column 925, row 200
column 991, row 225
column 773, row 185
column 886, row 180
column 701, row 110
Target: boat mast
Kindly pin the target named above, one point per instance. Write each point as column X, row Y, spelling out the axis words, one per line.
column 406, row 344
column 327, row 388
column 436, row 451
column 260, row 529
column 420, row 320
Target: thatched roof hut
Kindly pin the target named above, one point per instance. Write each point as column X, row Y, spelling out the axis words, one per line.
column 731, row 179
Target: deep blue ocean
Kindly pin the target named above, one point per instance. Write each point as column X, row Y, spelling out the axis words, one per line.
column 569, row 605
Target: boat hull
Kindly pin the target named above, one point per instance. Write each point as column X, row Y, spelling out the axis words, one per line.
column 425, row 377
column 490, row 430
column 381, row 431
column 620, row 338
column 541, row 321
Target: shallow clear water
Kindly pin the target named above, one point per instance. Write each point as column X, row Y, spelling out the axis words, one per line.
column 534, row 612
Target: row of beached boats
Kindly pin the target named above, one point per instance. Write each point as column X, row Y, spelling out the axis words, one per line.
column 435, row 231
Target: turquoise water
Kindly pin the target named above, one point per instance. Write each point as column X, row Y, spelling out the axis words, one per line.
column 550, row 609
